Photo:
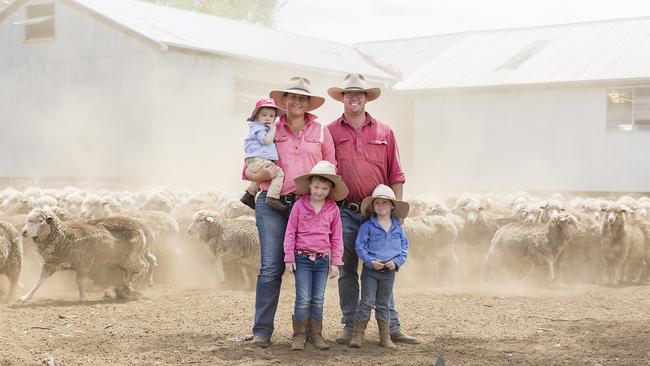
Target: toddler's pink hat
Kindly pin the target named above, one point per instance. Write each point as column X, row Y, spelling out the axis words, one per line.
column 265, row 103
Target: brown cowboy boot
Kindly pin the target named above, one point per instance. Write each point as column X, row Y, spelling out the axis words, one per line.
column 299, row 329
column 401, row 337
column 358, row 332
column 344, row 336
column 316, row 335
column 384, row 334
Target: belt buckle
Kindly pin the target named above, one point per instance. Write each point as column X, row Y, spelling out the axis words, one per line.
column 288, row 199
column 353, row 207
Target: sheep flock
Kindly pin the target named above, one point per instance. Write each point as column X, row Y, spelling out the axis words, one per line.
column 125, row 242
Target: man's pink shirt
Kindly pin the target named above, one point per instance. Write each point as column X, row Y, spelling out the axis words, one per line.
column 299, row 153
column 320, row 232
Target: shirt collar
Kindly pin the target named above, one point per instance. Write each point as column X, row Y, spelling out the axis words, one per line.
column 369, row 119
column 393, row 222
column 309, row 118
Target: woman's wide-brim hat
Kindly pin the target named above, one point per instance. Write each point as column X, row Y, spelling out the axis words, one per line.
column 301, row 86
column 326, row 170
column 354, row 83
column 401, row 209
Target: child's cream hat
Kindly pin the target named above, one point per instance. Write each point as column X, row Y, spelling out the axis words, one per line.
column 326, row 170
column 401, row 209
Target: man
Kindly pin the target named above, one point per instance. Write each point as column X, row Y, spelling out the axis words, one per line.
column 367, row 155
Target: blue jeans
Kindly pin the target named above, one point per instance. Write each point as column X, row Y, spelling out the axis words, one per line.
column 376, row 290
column 311, row 279
column 271, row 225
column 349, row 275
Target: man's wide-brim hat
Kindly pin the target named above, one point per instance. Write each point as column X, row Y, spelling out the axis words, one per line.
column 401, row 209
column 301, row 86
column 326, row 170
column 265, row 103
column 354, row 83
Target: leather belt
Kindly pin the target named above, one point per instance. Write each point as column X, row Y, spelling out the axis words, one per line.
column 354, row 207
column 289, row 198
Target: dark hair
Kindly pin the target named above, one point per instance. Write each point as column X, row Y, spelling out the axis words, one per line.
column 287, row 93
column 321, row 179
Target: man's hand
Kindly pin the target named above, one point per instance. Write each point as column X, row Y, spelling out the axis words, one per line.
column 390, row 265
column 291, row 267
column 377, row 265
column 334, row 271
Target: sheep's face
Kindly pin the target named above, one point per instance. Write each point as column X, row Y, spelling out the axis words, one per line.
column 569, row 224
column 201, row 223
column 552, row 210
column 615, row 214
column 473, row 211
column 593, row 211
column 37, row 225
column 532, row 214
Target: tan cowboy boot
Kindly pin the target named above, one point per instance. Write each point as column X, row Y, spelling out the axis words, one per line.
column 344, row 336
column 316, row 335
column 299, row 329
column 384, row 335
column 401, row 337
column 358, row 332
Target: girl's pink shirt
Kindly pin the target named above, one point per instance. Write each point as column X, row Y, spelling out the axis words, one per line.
column 320, row 232
column 299, row 153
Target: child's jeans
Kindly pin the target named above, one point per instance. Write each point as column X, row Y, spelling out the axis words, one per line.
column 376, row 290
column 254, row 165
column 311, row 279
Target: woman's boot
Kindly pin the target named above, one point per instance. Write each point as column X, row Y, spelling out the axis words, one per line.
column 316, row 335
column 299, row 329
column 358, row 332
column 384, row 334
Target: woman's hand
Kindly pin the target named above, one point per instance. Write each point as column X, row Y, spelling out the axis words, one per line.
column 334, row 271
column 291, row 267
column 263, row 174
column 377, row 264
column 390, row 265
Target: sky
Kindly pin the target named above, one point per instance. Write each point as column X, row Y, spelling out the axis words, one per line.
column 352, row 21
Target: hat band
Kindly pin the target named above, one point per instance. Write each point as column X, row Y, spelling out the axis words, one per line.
column 302, row 90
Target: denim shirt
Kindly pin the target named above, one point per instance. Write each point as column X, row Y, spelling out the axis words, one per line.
column 254, row 145
column 373, row 242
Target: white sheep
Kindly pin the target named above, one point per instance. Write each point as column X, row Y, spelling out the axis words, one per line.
column 82, row 245
column 11, row 256
column 623, row 246
column 432, row 239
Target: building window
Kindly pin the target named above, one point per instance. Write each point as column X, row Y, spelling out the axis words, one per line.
column 628, row 109
column 39, row 24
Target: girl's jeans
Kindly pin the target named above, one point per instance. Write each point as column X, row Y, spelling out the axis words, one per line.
column 311, row 279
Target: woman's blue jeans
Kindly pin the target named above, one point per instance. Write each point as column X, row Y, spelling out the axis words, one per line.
column 311, row 280
column 271, row 225
column 376, row 291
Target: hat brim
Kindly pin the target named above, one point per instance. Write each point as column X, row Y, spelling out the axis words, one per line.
column 315, row 101
column 279, row 112
column 401, row 209
column 337, row 93
column 338, row 192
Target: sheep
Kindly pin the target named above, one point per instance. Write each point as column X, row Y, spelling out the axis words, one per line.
column 623, row 246
column 581, row 261
column 234, row 242
column 432, row 239
column 474, row 239
column 518, row 247
column 17, row 203
column 82, row 245
column 93, row 207
column 159, row 200
column 11, row 256
column 45, row 202
column 72, row 203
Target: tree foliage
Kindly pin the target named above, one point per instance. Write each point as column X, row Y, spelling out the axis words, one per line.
column 249, row 11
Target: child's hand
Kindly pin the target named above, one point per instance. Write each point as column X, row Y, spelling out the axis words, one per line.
column 377, row 265
column 291, row 267
column 334, row 271
column 390, row 265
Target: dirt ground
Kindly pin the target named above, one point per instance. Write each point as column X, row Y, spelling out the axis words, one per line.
column 479, row 325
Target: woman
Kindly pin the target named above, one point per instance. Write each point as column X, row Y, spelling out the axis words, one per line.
column 301, row 142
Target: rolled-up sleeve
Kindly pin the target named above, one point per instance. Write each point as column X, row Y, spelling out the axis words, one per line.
column 395, row 173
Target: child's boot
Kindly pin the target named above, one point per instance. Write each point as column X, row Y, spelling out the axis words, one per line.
column 316, row 335
column 384, row 334
column 358, row 332
column 275, row 204
column 299, row 329
column 248, row 199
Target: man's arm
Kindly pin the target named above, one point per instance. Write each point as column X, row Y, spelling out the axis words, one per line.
column 398, row 188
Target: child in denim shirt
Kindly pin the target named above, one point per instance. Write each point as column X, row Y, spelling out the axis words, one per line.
column 382, row 246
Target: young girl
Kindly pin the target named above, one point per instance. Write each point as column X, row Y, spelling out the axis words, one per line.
column 382, row 246
column 313, row 247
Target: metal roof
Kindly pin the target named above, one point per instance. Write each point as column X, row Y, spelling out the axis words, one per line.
column 191, row 30
column 582, row 52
